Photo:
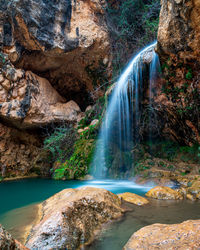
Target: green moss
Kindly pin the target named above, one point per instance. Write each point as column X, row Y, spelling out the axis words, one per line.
column 189, row 75
column 78, row 164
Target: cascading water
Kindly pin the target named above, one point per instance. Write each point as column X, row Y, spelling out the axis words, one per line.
column 119, row 132
column 154, row 74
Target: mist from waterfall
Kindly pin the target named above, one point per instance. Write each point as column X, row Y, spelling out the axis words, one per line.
column 119, row 132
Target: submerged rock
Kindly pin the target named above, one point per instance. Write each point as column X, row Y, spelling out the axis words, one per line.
column 161, row 236
column 164, row 193
column 8, row 243
column 71, row 217
column 134, row 198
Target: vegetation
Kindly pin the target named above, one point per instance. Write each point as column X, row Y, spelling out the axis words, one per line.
column 133, row 24
column 70, row 152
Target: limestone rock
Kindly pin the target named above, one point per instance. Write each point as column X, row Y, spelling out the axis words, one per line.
column 195, row 187
column 70, row 218
column 7, row 242
column 94, row 123
column 17, row 152
column 160, row 236
column 66, row 40
column 134, row 198
column 179, row 30
column 164, row 193
column 27, row 101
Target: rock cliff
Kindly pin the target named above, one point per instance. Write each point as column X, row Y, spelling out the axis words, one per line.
column 54, row 55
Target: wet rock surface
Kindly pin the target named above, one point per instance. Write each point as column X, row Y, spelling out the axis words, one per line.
column 164, row 193
column 134, row 198
column 161, row 236
column 70, row 218
column 7, row 242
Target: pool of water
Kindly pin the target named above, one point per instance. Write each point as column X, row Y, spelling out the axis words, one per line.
column 20, row 193
column 19, row 208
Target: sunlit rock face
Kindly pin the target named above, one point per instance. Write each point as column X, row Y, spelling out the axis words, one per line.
column 161, row 236
column 179, row 29
column 66, row 41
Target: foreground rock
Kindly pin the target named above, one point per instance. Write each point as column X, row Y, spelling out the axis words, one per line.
column 70, row 218
column 134, row 198
column 7, row 242
column 164, row 193
column 160, row 236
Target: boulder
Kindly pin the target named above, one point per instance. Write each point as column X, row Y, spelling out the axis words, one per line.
column 7, row 242
column 164, row 193
column 161, row 236
column 134, row 198
column 179, row 30
column 70, row 218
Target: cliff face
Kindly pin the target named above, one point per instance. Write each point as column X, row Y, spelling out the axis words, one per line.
column 53, row 54
column 179, row 29
column 64, row 41
column 178, row 94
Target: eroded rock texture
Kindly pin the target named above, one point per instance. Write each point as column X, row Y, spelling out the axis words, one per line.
column 7, row 242
column 177, row 99
column 28, row 101
column 65, row 41
column 17, row 151
column 69, row 218
column 179, row 29
column 160, row 236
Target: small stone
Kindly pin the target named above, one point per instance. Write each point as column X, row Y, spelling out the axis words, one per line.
column 88, row 108
column 164, row 193
column 198, row 196
column 94, row 122
column 195, row 187
column 190, row 197
column 134, row 198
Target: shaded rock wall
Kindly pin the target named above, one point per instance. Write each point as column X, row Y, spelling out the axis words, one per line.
column 54, row 54
column 17, row 151
column 65, row 41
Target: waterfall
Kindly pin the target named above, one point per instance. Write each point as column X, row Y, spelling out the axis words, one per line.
column 154, row 74
column 119, row 132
